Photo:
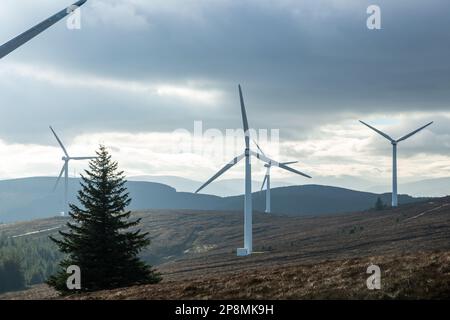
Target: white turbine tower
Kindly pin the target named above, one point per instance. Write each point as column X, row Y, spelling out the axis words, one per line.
column 65, row 169
column 266, row 181
column 248, row 236
column 394, row 156
column 23, row 38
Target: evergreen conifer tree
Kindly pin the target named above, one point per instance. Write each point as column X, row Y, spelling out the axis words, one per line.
column 98, row 239
column 379, row 205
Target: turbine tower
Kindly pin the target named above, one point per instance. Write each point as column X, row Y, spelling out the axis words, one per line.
column 394, row 156
column 65, row 169
column 248, row 211
column 266, row 181
column 23, row 38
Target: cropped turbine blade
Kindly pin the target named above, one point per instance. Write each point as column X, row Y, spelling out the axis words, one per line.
column 82, row 158
column 221, row 171
column 244, row 119
column 59, row 141
column 23, row 38
column 254, row 141
column 285, row 167
column 59, row 177
column 378, row 131
column 289, row 162
column 277, row 164
column 264, row 182
column 263, row 158
column 414, row 132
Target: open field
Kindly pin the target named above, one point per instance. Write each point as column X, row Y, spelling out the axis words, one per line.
column 312, row 257
column 421, row 275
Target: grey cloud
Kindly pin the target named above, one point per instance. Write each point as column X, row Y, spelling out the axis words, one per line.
column 302, row 64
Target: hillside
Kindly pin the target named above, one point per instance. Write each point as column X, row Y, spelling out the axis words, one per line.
column 413, row 276
column 438, row 187
column 32, row 198
column 314, row 256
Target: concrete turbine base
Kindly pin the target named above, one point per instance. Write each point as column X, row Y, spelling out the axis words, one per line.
column 242, row 252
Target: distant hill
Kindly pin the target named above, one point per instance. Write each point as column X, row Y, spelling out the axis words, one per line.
column 317, row 200
column 221, row 188
column 438, row 187
column 31, row 198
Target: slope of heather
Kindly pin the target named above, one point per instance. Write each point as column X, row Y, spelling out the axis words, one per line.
column 296, row 257
column 415, row 276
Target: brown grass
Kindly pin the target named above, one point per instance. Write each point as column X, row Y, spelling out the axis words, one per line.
column 303, row 258
column 418, row 276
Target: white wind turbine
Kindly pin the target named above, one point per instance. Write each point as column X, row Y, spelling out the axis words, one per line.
column 65, row 169
column 248, row 212
column 23, row 38
column 266, row 180
column 394, row 156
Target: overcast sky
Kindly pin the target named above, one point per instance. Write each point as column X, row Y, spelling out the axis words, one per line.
column 139, row 70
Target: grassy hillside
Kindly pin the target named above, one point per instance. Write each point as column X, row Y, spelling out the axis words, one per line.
column 424, row 275
column 198, row 248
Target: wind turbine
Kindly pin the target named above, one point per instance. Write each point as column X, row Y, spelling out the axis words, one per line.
column 266, row 180
column 65, row 169
column 23, row 38
column 394, row 156
column 248, row 210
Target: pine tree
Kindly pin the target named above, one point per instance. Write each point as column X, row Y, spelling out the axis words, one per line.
column 11, row 275
column 379, row 205
column 98, row 241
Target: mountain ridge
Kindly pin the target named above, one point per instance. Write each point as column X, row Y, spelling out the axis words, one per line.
column 31, row 198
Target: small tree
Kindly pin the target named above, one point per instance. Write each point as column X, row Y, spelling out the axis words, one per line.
column 98, row 241
column 11, row 275
column 379, row 205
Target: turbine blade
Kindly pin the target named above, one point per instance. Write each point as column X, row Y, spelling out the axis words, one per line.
column 59, row 177
column 221, row 171
column 59, row 141
column 285, row 167
column 264, row 182
column 277, row 164
column 414, row 132
column 82, row 158
column 254, row 141
column 289, row 162
column 26, row 36
column 378, row 131
column 244, row 119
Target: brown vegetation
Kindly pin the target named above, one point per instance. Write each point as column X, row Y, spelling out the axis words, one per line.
column 300, row 258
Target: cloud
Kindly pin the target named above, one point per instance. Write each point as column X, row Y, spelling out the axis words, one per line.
column 188, row 93
column 117, row 15
column 308, row 68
